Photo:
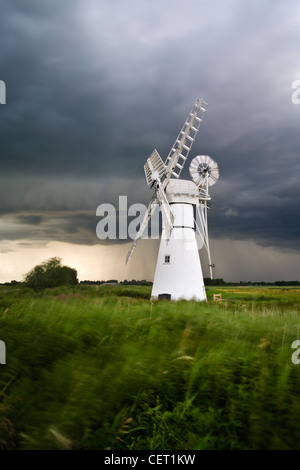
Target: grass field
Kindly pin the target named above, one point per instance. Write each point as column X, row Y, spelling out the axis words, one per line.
column 101, row 367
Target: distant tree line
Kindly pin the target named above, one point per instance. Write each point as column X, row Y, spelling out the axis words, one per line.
column 133, row 282
column 207, row 282
column 52, row 273
column 221, row 282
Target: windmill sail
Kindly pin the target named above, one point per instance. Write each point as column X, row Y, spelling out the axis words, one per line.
column 151, row 208
column 185, row 139
column 154, row 168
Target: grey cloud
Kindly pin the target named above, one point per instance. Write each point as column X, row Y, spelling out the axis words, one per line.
column 30, row 219
column 78, row 228
column 93, row 88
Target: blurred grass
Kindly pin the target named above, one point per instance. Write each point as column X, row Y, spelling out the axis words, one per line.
column 101, row 367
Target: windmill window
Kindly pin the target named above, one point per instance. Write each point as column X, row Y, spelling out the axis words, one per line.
column 167, row 259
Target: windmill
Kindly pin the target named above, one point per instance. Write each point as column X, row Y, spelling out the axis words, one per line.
column 178, row 270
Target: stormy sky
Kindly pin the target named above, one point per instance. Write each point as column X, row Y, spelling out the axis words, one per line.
column 93, row 86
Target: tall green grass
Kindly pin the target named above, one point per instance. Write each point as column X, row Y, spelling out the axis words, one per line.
column 104, row 368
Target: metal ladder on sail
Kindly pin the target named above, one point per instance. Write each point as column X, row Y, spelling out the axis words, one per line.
column 185, row 139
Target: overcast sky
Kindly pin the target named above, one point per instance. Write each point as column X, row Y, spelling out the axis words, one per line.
column 92, row 87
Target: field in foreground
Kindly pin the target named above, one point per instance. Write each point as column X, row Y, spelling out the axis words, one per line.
column 104, row 368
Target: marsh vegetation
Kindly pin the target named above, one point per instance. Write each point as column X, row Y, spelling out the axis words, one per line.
column 102, row 367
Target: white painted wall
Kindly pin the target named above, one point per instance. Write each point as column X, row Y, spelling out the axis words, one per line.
column 182, row 276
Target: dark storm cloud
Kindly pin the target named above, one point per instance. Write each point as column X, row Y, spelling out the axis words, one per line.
column 93, row 87
column 78, row 228
column 30, row 219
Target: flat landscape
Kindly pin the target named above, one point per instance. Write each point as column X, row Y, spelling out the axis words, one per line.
column 103, row 367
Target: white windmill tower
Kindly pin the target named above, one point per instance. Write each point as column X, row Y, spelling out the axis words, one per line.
column 178, row 270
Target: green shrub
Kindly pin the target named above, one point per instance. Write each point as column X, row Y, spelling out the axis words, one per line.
column 51, row 273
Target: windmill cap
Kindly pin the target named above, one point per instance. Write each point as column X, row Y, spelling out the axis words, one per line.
column 182, row 191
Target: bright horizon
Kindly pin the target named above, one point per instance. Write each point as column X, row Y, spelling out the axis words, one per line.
column 235, row 261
